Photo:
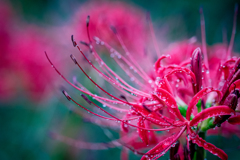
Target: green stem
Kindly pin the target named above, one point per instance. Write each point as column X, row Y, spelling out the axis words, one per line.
column 200, row 153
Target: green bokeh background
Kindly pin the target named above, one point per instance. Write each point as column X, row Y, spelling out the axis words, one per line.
column 26, row 125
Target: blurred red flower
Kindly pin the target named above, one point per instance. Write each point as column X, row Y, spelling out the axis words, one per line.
column 107, row 18
column 23, row 67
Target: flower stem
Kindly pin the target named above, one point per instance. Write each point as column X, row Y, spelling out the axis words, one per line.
column 200, row 153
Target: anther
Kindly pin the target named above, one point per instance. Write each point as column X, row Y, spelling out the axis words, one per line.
column 73, row 41
column 66, row 95
column 87, row 23
column 123, row 97
column 75, row 82
column 88, row 45
column 87, row 20
column 86, row 99
column 113, row 29
column 73, row 58
column 145, row 107
column 84, row 43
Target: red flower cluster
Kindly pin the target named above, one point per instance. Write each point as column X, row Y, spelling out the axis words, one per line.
column 183, row 98
column 128, row 21
column 23, row 67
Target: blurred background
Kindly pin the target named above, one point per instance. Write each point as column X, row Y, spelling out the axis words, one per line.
column 32, row 107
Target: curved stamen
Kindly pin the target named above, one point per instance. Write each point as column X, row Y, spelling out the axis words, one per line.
column 130, row 57
column 113, row 81
column 230, row 47
column 154, row 39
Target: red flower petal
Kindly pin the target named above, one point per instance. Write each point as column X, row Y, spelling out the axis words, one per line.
column 228, row 81
column 164, row 84
column 210, row 147
column 211, row 112
column 196, row 67
column 160, row 71
column 151, row 117
column 234, row 120
column 162, row 147
column 158, row 63
column 169, row 100
column 185, row 70
column 143, row 133
column 197, row 97
column 234, row 85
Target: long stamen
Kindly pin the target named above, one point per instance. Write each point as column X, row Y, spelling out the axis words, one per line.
column 70, row 99
column 128, row 72
column 119, row 56
column 90, row 46
column 154, row 39
column 75, row 61
column 204, row 47
column 87, row 24
column 93, row 146
column 97, row 97
column 129, row 55
column 140, row 93
column 101, row 101
column 204, row 44
column 114, row 118
column 230, row 47
column 112, row 97
column 113, row 81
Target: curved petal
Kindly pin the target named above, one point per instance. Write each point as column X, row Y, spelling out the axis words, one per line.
column 234, row 120
column 142, row 133
column 161, row 148
column 158, row 63
column 234, row 85
column 210, row 147
column 165, row 85
column 211, row 112
column 169, row 100
column 197, row 97
column 183, row 69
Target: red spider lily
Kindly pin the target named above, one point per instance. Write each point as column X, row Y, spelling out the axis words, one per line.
column 22, row 66
column 161, row 105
